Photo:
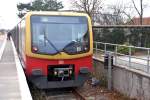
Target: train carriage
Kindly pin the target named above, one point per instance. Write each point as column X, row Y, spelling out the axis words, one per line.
column 55, row 48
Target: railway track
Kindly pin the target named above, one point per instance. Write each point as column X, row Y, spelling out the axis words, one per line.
column 56, row 94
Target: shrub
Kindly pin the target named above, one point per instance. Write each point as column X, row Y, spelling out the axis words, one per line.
column 125, row 49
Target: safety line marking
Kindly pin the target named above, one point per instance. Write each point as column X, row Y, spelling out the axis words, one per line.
column 3, row 47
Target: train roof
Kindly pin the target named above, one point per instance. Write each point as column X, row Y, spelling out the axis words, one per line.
column 63, row 13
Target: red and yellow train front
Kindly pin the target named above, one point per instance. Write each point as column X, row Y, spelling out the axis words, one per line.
column 58, row 49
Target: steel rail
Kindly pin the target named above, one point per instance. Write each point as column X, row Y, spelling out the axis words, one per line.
column 77, row 94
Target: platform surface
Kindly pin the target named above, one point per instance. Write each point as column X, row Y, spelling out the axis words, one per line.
column 13, row 83
column 9, row 84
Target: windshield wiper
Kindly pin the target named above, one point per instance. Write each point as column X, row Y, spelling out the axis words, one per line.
column 71, row 47
column 45, row 38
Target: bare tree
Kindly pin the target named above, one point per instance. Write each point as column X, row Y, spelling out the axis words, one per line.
column 142, row 36
column 88, row 6
column 118, row 10
column 140, row 12
column 122, row 10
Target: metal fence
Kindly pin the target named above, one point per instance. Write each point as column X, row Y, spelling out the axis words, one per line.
column 127, row 56
column 123, row 55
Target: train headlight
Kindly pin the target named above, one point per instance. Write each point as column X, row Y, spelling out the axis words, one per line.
column 85, row 48
column 34, row 49
column 70, row 72
column 55, row 73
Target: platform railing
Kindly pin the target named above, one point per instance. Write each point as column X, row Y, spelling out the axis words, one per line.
column 131, row 56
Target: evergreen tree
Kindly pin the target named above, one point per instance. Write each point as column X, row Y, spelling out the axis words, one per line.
column 39, row 5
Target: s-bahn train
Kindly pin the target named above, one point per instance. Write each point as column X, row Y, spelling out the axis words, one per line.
column 55, row 48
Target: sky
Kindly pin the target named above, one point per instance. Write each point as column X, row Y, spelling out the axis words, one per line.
column 8, row 10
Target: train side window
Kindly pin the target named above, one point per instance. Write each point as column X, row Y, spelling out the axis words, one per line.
column 19, row 31
column 21, row 36
column 23, row 33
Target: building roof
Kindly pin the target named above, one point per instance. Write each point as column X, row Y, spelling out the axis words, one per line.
column 136, row 21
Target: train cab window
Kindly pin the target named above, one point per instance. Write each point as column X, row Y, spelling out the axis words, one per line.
column 54, row 34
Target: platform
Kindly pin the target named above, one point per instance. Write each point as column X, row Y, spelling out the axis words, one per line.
column 13, row 85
